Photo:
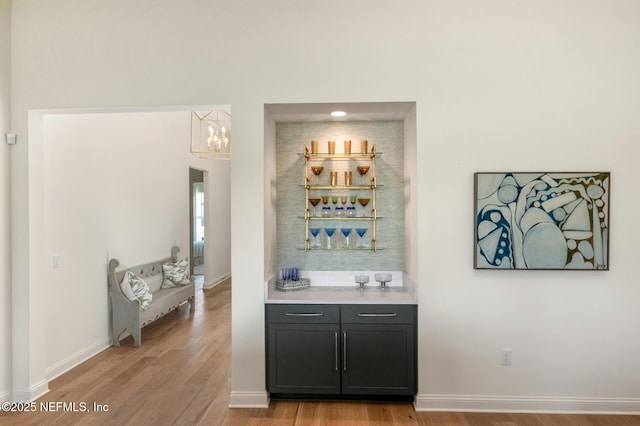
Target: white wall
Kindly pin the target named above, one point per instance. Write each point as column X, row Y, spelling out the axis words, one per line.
column 498, row 85
column 5, row 224
column 217, row 254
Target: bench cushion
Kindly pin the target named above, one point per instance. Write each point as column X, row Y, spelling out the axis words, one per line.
column 165, row 300
column 134, row 288
column 176, row 274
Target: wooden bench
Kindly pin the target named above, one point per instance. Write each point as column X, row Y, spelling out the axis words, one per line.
column 127, row 318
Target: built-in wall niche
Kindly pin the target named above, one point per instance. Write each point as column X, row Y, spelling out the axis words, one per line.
column 394, row 172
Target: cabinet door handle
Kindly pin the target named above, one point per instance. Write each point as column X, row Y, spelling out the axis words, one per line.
column 344, row 351
column 295, row 314
column 337, row 355
column 392, row 314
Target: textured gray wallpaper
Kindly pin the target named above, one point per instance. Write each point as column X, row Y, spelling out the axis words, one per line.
column 388, row 138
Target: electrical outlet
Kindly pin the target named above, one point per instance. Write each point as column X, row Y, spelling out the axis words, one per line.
column 505, row 356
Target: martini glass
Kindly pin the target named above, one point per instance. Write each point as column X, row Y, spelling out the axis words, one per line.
column 363, row 202
column 314, row 202
column 363, row 171
column 314, row 233
column 346, row 232
column 329, row 232
column 361, row 232
column 316, row 171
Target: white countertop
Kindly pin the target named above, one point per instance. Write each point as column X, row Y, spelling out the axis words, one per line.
column 345, row 291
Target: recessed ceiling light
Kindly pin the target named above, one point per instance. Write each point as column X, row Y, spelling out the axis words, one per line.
column 338, row 114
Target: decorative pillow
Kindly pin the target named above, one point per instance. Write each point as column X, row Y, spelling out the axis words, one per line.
column 134, row 288
column 176, row 274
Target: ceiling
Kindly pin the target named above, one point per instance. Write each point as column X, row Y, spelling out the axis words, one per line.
column 358, row 111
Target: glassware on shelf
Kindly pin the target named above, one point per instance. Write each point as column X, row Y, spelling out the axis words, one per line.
column 331, row 147
column 314, row 147
column 314, row 202
column 338, row 210
column 353, row 199
column 351, row 211
column 329, row 243
column 316, row 171
column 333, row 178
column 364, row 146
column 363, row 202
column 361, row 232
column 316, row 240
column 363, row 171
column 345, row 233
column 326, row 210
column 347, row 178
column 347, row 147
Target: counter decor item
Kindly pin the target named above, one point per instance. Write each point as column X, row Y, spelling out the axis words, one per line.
column 383, row 278
column 362, row 280
column 302, row 283
column 289, row 279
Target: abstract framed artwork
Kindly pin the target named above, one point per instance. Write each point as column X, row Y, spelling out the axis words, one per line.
column 542, row 220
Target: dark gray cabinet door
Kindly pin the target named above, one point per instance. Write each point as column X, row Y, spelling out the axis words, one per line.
column 304, row 358
column 378, row 359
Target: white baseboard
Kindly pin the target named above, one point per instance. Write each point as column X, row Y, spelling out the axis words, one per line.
column 249, row 400
column 5, row 396
column 75, row 359
column 215, row 282
column 35, row 391
column 511, row 404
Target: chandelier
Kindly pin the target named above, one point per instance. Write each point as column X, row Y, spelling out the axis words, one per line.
column 210, row 134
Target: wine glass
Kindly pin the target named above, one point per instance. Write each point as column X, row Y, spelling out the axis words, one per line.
column 314, row 234
column 314, row 202
column 316, row 171
column 361, row 232
column 363, row 171
column 363, row 202
column 326, row 210
column 334, row 201
column 329, row 232
column 346, row 232
column 351, row 210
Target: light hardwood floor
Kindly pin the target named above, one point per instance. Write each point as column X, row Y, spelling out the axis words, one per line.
column 181, row 375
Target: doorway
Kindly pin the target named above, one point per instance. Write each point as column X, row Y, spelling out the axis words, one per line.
column 197, row 223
